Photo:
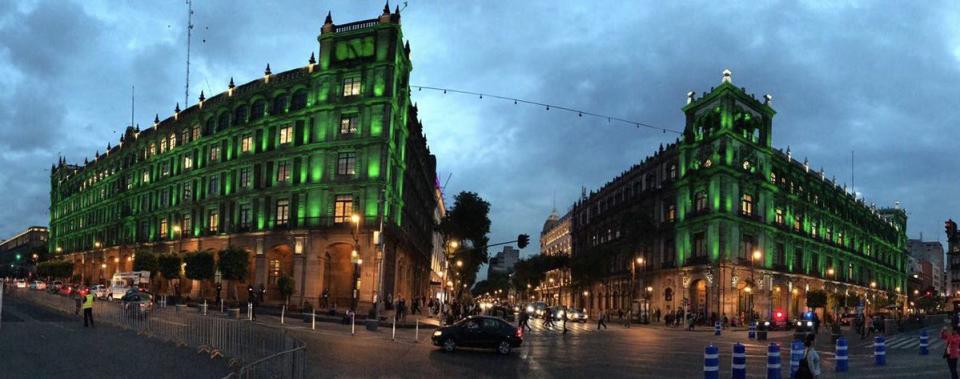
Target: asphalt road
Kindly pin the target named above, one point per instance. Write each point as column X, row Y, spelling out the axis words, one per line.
column 641, row 351
column 38, row 343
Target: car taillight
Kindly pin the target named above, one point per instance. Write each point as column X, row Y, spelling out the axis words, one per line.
column 519, row 332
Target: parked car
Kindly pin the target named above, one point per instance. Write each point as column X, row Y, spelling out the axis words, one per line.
column 136, row 303
column 20, row 283
column 56, row 284
column 38, row 285
column 66, row 290
column 479, row 332
column 100, row 291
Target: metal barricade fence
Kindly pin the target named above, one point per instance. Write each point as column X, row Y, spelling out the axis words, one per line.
column 256, row 350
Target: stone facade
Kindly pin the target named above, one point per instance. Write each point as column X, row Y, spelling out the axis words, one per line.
column 722, row 223
column 299, row 168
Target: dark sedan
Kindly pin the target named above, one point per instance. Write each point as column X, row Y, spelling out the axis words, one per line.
column 480, row 332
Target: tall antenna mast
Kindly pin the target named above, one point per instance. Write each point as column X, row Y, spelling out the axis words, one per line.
column 186, row 89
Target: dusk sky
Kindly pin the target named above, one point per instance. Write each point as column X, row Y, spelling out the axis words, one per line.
column 879, row 78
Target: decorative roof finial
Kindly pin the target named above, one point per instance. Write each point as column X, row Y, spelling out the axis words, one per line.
column 202, row 98
column 727, row 76
column 177, row 108
column 312, row 60
column 386, row 8
column 231, row 85
column 329, row 19
column 267, row 71
column 768, row 99
column 108, row 146
column 156, row 119
column 690, row 96
column 406, row 47
column 397, row 10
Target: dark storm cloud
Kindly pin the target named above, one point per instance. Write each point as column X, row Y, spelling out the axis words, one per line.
column 868, row 77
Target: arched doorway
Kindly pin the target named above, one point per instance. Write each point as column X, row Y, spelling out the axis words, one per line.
column 279, row 264
column 338, row 276
column 745, row 290
column 698, row 297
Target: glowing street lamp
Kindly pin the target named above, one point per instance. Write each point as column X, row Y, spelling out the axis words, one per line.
column 355, row 218
column 830, row 271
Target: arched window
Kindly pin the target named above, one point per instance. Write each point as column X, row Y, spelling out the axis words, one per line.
column 240, row 115
column 299, row 100
column 256, row 110
column 279, row 104
column 224, row 122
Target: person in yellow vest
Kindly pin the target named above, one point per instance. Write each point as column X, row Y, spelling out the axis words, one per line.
column 88, row 309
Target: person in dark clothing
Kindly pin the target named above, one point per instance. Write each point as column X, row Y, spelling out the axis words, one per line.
column 601, row 320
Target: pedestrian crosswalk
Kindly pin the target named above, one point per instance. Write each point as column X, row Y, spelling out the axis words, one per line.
column 538, row 327
column 909, row 341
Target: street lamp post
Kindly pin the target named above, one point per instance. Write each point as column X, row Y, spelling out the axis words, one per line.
column 355, row 258
column 753, row 262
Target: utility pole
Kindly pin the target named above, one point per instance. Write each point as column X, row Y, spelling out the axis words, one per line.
column 186, row 89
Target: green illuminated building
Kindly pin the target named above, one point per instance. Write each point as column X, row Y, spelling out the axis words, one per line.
column 278, row 166
column 737, row 225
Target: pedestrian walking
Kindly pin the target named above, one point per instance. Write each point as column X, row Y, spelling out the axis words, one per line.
column 563, row 316
column 601, row 320
column 810, row 363
column 88, row 313
column 952, row 349
column 626, row 323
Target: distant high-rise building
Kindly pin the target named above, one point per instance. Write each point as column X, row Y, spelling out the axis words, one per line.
column 504, row 261
column 931, row 252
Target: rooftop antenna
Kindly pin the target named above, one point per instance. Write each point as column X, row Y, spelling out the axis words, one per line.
column 186, row 89
column 444, row 187
column 853, row 183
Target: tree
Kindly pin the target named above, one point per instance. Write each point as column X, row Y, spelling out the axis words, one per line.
column 200, row 266
column 233, row 266
column 494, row 282
column 146, row 262
column 816, row 299
column 286, row 284
column 169, row 266
column 468, row 221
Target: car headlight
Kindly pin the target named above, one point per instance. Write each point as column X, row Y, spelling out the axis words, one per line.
column 799, row 323
column 529, row 309
column 809, row 323
column 437, row 333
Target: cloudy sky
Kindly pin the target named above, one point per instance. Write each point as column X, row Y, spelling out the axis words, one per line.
column 880, row 78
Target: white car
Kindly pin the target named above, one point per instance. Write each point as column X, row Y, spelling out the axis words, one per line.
column 100, row 291
column 20, row 283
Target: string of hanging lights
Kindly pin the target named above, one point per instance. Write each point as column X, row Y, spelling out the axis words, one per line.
column 579, row 112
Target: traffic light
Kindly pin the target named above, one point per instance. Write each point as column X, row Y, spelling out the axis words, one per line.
column 523, row 240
